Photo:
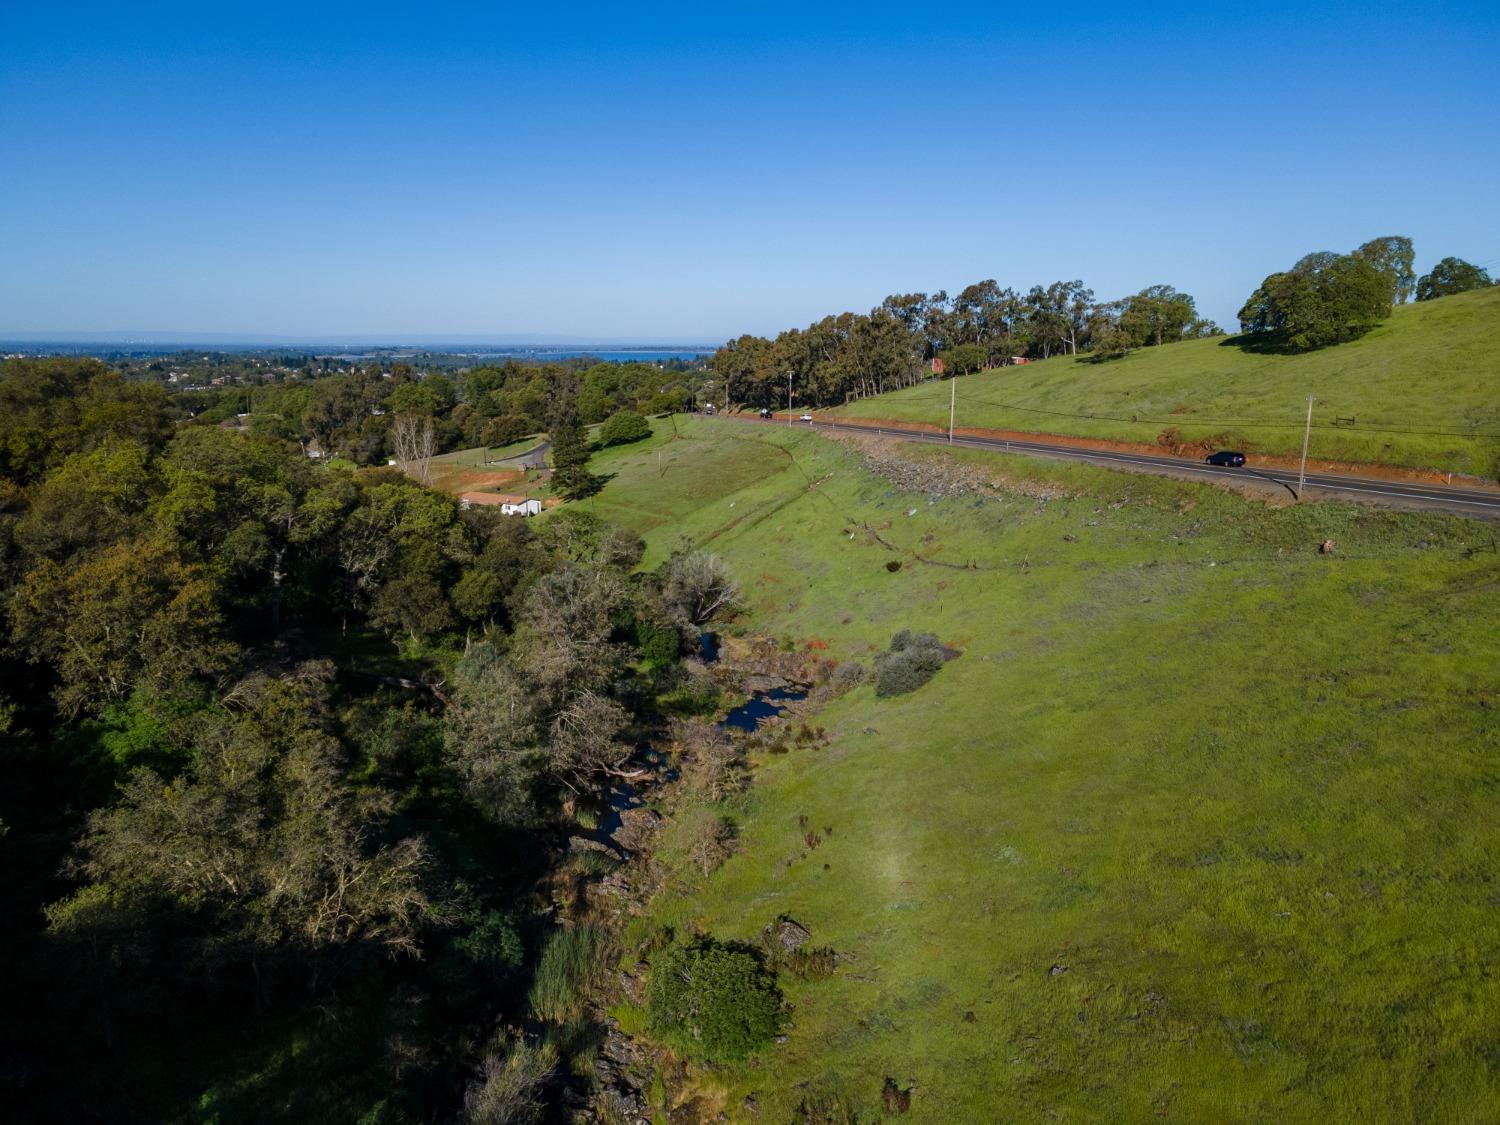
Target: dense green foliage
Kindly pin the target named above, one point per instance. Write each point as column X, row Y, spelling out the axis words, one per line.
column 51, row 408
column 1323, row 299
column 1450, row 276
column 289, row 750
column 623, row 427
column 713, row 1001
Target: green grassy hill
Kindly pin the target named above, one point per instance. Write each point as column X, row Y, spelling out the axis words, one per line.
column 1200, row 825
column 1423, row 391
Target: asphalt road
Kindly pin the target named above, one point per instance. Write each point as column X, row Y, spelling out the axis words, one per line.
column 535, row 457
column 1459, row 501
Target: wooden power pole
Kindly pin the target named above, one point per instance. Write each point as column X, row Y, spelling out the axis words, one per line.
column 1306, row 435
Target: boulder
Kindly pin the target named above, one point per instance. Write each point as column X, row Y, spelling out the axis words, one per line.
column 787, row 934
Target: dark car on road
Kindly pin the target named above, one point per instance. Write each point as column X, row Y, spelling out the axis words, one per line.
column 1226, row 457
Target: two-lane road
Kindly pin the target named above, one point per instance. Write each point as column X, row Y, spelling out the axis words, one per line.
column 1482, row 503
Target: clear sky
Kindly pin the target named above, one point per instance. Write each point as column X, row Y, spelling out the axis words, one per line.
column 702, row 170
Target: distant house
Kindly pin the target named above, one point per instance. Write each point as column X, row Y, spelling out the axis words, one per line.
column 1017, row 360
column 509, row 505
column 938, row 366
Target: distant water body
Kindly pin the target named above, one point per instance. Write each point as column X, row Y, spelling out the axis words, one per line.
column 612, row 357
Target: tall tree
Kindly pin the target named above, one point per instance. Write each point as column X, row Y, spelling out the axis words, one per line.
column 1158, row 314
column 1392, row 255
column 570, row 448
column 412, row 441
column 1451, row 275
column 1324, row 299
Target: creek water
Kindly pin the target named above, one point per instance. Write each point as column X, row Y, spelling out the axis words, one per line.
column 763, row 705
column 708, row 647
column 747, row 717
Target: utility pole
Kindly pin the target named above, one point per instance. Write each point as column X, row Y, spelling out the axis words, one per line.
column 1306, row 434
column 952, row 403
column 790, row 421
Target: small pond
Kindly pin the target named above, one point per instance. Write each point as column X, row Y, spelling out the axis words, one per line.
column 761, row 706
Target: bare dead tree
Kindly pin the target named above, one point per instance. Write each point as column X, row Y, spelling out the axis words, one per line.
column 414, row 442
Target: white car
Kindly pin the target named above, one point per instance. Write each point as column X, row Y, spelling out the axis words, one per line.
column 805, row 418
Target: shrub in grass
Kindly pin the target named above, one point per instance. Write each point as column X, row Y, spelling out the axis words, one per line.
column 824, row 1106
column 708, row 839
column 713, row 1001
column 911, row 661
column 624, row 427
column 846, row 677
column 568, row 965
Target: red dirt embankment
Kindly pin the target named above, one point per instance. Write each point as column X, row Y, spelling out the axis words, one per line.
column 1185, row 452
column 474, row 480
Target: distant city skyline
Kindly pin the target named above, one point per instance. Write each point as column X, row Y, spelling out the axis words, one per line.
column 684, row 175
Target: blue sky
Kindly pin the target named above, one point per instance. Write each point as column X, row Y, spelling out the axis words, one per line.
column 699, row 171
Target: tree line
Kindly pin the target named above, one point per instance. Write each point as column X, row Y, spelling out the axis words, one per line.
column 853, row 355
column 352, row 414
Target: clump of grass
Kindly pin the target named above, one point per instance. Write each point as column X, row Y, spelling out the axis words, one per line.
column 630, row 1016
column 591, row 864
column 826, row 1107
column 810, row 964
column 569, row 965
column 510, row 1086
column 587, row 817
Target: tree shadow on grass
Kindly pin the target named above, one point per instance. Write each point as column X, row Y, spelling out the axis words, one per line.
column 1262, row 343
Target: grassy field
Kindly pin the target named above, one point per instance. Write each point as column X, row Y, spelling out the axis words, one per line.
column 1199, row 825
column 1423, row 391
